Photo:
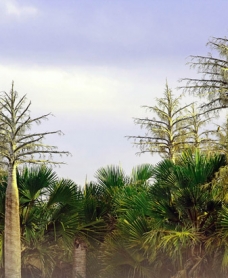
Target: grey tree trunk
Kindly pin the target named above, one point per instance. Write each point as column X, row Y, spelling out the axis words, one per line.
column 79, row 263
column 12, row 241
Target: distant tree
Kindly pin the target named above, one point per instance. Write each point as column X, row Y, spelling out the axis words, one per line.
column 213, row 82
column 18, row 146
column 167, row 132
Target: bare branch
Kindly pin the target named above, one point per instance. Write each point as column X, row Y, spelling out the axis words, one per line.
column 42, row 152
column 23, row 113
column 43, row 134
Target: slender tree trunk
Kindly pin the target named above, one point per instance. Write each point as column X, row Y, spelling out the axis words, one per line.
column 79, row 263
column 12, row 237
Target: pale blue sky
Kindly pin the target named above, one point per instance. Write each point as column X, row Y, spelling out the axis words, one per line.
column 94, row 63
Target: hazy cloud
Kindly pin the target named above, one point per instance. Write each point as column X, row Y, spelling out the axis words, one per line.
column 16, row 8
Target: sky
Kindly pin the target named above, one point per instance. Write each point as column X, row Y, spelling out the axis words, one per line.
column 94, row 63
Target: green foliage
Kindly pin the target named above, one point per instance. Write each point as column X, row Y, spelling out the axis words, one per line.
column 53, row 212
column 169, row 224
column 186, row 212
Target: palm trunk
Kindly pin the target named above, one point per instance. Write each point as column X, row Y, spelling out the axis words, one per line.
column 12, row 237
column 79, row 263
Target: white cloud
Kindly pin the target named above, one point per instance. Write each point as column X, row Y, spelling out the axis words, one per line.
column 78, row 90
column 16, row 9
column 93, row 107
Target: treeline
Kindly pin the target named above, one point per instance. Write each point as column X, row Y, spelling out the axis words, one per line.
column 168, row 220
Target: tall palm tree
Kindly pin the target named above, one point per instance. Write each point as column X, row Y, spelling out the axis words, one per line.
column 33, row 184
column 17, row 146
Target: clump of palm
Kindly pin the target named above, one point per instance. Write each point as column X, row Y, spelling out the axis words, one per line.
column 121, row 252
column 43, row 237
column 51, row 213
column 185, row 211
column 55, row 215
